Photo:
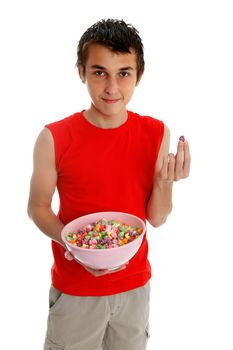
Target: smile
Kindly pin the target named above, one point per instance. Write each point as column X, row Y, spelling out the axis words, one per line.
column 110, row 101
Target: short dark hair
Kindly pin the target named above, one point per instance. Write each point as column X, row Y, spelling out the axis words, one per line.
column 116, row 35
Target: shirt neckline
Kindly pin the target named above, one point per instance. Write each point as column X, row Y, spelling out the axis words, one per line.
column 109, row 130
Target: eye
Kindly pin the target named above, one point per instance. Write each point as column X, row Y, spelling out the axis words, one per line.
column 124, row 74
column 99, row 73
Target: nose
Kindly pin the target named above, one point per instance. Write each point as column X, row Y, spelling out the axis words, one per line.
column 111, row 86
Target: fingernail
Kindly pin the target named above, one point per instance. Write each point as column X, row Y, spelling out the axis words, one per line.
column 181, row 138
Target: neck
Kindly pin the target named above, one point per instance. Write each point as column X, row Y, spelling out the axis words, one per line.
column 105, row 121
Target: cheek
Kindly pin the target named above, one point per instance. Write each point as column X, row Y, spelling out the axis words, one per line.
column 128, row 89
column 95, row 87
column 93, row 90
column 127, row 85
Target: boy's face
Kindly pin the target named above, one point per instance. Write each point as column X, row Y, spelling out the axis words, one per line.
column 110, row 77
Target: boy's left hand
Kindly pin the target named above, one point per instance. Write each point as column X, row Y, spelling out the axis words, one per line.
column 176, row 167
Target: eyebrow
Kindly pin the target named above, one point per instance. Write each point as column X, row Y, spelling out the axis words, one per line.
column 96, row 66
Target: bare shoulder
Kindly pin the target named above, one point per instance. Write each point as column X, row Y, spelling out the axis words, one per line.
column 44, row 148
column 44, row 138
column 44, row 175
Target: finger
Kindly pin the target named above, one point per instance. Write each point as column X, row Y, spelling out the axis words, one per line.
column 98, row 273
column 94, row 272
column 68, row 255
column 179, row 161
column 122, row 267
column 187, row 160
column 171, row 167
column 102, row 272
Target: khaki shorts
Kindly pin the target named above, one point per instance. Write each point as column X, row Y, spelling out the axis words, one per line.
column 115, row 322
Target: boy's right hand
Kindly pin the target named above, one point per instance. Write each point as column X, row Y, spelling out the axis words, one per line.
column 94, row 272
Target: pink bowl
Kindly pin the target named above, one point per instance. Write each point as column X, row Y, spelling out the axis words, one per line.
column 104, row 258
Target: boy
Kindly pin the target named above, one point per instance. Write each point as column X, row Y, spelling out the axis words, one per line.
column 105, row 158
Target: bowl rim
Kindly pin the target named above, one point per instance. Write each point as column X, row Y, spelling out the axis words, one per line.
column 102, row 250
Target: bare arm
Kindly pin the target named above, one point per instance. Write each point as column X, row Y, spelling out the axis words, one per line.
column 42, row 187
column 169, row 168
column 160, row 202
column 43, row 184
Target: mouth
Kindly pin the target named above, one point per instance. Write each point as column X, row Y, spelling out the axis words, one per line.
column 110, row 101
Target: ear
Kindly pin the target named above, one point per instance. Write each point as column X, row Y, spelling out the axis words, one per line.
column 81, row 72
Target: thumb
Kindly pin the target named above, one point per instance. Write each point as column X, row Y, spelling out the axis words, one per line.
column 68, row 255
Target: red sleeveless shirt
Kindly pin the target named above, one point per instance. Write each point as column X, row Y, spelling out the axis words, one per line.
column 103, row 170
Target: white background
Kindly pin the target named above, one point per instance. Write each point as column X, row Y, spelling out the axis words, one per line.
column 188, row 83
